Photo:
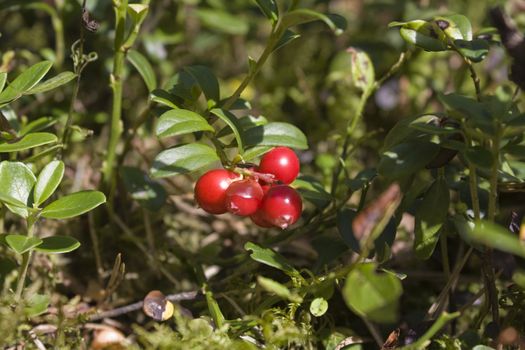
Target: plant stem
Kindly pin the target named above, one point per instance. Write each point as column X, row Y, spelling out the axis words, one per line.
column 443, row 319
column 26, row 257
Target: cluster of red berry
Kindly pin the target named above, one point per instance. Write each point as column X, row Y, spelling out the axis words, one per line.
column 262, row 193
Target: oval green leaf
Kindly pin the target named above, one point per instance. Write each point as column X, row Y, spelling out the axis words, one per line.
column 275, row 134
column 269, row 257
column 406, row 158
column 21, row 243
column 181, row 121
column 371, row 295
column 28, row 141
column 206, row 80
column 164, row 98
column 300, row 16
column 37, row 305
column 144, row 68
column 16, row 182
column 58, row 245
column 234, row 125
column 318, row 307
column 50, row 84
column 48, row 181
column 183, row 159
column 73, row 205
column 25, row 81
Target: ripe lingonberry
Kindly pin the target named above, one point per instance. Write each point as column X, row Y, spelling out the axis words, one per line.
column 210, row 190
column 243, row 197
column 259, row 219
column 282, row 163
column 281, row 206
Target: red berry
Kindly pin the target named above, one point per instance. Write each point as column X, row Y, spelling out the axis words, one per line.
column 259, row 219
column 243, row 197
column 282, row 163
column 210, row 190
column 281, row 206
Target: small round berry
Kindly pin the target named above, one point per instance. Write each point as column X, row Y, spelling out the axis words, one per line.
column 244, row 197
column 259, row 219
column 281, row 206
column 210, row 190
column 282, row 162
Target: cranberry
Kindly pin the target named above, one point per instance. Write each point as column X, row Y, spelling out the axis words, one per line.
column 259, row 219
column 282, row 162
column 210, row 190
column 281, row 206
column 243, row 197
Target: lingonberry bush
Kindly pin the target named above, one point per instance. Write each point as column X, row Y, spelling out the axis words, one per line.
column 266, row 174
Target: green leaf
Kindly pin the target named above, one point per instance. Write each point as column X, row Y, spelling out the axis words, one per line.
column 269, row 9
column 206, row 81
column 21, row 243
column 423, row 34
column 234, row 125
column 318, row 307
column 313, row 191
column 475, row 50
column 407, row 128
column 138, row 12
column 268, row 257
column 406, row 158
column 50, row 84
column 496, row 236
column 37, row 305
column 38, row 125
column 74, row 204
column 3, row 79
column 479, row 156
column 371, row 295
column 183, row 159
column 150, row 194
column 430, row 216
column 278, row 289
column 275, row 134
column 144, row 68
column 180, row 121
column 58, row 245
column 28, row 141
column 287, row 37
column 255, row 152
column 300, row 16
column 16, row 181
column 164, row 98
column 223, row 21
column 243, row 124
column 48, row 181
column 25, row 81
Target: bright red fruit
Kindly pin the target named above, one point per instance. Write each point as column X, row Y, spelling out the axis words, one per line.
column 244, row 197
column 210, row 190
column 259, row 219
column 281, row 206
column 281, row 162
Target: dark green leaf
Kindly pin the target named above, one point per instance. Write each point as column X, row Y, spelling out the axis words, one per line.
column 269, row 257
column 475, row 50
column 50, row 84
column 459, row 28
column 497, row 237
column 243, row 124
column 223, row 21
column 255, row 152
column 430, row 216
column 28, row 141
column 303, row 15
column 144, row 68
column 180, row 121
column 371, row 295
column 406, row 158
column 48, row 181
column 275, row 134
column 164, row 98
column 183, row 159
column 269, row 9
column 25, row 81
column 286, row 38
column 278, row 289
column 74, row 204
column 37, row 305
column 403, row 130
column 38, row 125
column 206, row 81
column 423, row 34
column 313, row 191
column 479, row 156
column 16, row 181
column 58, row 245
column 147, row 192
column 233, row 123
column 21, row 243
